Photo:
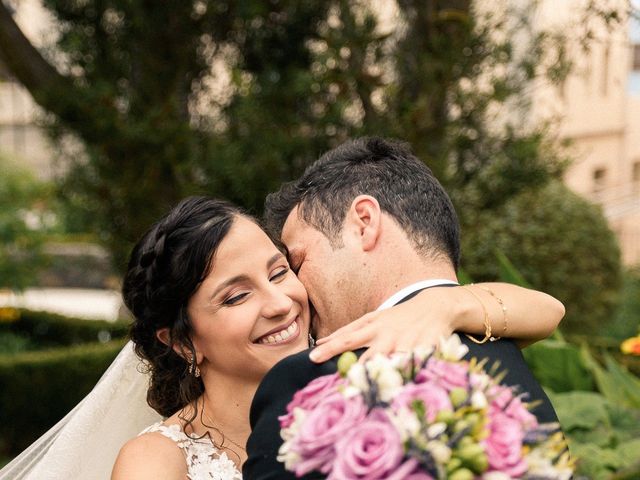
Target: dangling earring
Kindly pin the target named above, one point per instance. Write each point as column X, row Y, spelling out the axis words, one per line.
column 193, row 368
column 312, row 341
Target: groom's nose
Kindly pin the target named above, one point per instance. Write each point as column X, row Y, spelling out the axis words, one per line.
column 276, row 302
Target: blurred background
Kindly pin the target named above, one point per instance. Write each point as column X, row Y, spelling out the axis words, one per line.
column 527, row 111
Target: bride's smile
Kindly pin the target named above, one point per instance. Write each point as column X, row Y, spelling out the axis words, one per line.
column 250, row 310
column 281, row 335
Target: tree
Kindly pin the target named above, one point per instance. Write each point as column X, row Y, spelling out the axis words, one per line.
column 560, row 243
column 231, row 98
column 23, row 221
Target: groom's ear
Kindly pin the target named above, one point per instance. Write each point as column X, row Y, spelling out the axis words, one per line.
column 364, row 216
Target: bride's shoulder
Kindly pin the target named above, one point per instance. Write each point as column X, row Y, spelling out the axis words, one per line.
column 151, row 455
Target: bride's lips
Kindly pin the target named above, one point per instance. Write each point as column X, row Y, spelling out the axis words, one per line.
column 281, row 335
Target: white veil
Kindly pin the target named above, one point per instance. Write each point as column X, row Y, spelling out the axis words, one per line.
column 85, row 443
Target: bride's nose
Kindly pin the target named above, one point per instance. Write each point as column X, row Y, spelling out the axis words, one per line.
column 276, row 302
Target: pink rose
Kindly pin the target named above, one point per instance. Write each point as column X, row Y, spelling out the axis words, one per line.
column 504, row 444
column 450, row 375
column 373, row 451
column 435, row 398
column 331, row 419
column 310, row 396
column 503, row 399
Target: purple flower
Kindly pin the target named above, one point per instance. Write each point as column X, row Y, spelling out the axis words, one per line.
column 331, row 419
column 448, row 374
column 310, row 396
column 372, row 451
column 434, row 397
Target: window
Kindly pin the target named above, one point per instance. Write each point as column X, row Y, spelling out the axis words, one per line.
column 635, row 63
column 599, row 178
column 635, row 172
column 604, row 81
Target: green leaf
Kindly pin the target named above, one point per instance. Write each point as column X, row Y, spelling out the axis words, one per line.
column 584, row 410
column 628, row 383
column 596, row 462
column 613, row 383
column 558, row 365
column 508, row 272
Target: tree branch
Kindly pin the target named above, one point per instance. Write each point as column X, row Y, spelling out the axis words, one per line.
column 25, row 62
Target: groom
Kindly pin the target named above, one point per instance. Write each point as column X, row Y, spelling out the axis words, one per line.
column 367, row 226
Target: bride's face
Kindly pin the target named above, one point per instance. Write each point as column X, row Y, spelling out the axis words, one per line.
column 251, row 310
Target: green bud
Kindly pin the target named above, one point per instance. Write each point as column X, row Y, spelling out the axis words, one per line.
column 479, row 463
column 345, row 361
column 458, row 396
column 462, row 474
column 473, row 419
column 468, row 452
column 460, row 425
column 464, row 441
column 453, row 464
column 445, row 416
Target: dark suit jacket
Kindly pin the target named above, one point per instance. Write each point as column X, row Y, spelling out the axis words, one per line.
column 295, row 372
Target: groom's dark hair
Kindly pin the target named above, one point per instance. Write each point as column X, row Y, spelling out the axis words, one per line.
column 404, row 186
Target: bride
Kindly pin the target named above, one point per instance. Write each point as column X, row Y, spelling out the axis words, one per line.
column 216, row 305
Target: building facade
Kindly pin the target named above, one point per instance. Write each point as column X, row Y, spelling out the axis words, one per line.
column 598, row 110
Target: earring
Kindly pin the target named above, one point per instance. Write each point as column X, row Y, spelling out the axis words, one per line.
column 312, row 341
column 194, row 369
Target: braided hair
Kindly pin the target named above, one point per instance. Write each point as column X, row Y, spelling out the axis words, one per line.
column 165, row 269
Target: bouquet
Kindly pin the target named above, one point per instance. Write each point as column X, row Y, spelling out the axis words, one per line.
column 417, row 416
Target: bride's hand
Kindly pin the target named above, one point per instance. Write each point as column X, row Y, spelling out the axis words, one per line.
column 398, row 329
column 519, row 313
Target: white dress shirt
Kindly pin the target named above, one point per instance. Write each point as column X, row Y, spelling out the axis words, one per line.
column 396, row 297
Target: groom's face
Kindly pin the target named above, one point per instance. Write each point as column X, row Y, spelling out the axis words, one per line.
column 325, row 271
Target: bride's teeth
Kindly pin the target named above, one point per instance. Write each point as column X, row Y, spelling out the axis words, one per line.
column 281, row 335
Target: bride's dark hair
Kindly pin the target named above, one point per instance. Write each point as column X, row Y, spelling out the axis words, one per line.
column 165, row 269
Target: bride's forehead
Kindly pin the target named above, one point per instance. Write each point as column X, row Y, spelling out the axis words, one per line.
column 245, row 242
column 245, row 230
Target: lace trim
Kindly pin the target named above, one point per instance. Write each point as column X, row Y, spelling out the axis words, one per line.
column 204, row 460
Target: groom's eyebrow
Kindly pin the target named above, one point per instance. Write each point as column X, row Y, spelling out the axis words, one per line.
column 243, row 277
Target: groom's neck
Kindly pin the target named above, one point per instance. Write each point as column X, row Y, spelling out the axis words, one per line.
column 394, row 276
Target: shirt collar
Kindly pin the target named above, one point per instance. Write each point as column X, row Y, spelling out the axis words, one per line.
column 396, row 297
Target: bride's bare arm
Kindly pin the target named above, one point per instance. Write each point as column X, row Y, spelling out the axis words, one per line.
column 528, row 315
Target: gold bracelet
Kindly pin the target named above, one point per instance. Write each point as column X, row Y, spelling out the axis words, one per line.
column 487, row 324
column 502, row 307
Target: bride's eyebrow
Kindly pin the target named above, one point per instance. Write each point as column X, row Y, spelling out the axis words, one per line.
column 243, row 277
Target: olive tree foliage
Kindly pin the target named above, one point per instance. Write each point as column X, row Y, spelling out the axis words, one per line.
column 231, row 98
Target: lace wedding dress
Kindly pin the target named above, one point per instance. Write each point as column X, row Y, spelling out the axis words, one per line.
column 204, row 460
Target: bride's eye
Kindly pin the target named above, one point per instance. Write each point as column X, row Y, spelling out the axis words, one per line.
column 280, row 274
column 235, row 299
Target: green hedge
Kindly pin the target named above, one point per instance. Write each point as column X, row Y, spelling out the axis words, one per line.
column 38, row 388
column 46, row 330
